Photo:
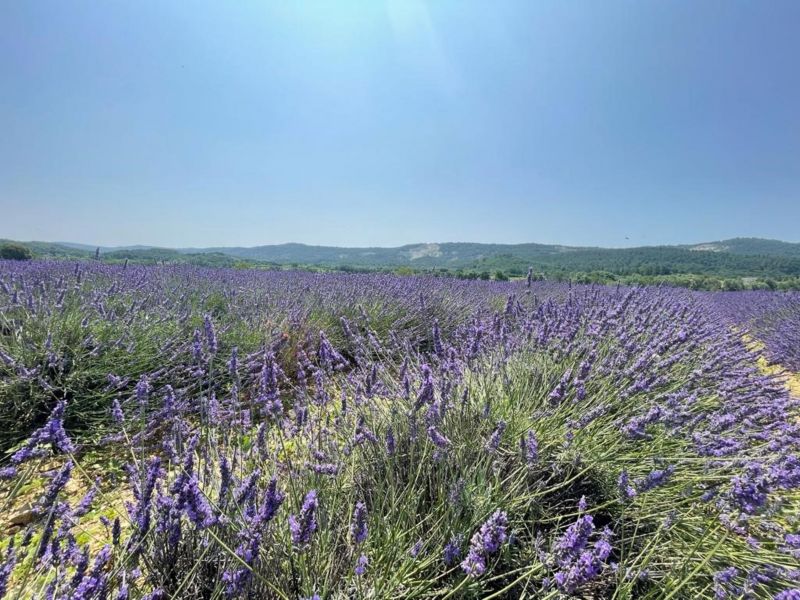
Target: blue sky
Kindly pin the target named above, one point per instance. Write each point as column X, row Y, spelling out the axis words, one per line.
column 383, row 123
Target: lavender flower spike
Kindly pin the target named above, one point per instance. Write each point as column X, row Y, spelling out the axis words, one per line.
column 486, row 542
column 304, row 525
column 358, row 528
column 438, row 439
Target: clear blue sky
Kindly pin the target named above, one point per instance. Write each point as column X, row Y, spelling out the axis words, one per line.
column 381, row 123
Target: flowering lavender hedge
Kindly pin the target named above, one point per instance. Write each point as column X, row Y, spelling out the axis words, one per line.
column 770, row 317
column 292, row 435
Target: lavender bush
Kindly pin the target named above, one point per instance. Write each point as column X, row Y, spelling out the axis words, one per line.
column 297, row 435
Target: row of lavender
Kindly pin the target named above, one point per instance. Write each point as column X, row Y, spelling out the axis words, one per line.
column 770, row 317
column 86, row 331
column 295, row 435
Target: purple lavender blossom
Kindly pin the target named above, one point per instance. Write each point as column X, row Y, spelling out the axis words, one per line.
column 324, row 468
column 723, row 583
column 358, row 526
column 273, row 499
column 750, row 490
column 52, row 433
column 86, row 502
column 438, row 349
column 485, row 542
column 233, row 363
column 438, row 439
column 210, row 334
column 226, row 478
column 576, row 560
column 94, row 584
column 654, row 479
column 8, row 473
column 391, row 444
column 9, row 562
column 144, row 494
column 197, row 346
column 195, row 504
column 626, row 490
column 361, row 565
column 116, row 531
column 426, row 392
column 456, row 493
column 452, row 550
column 247, row 489
column 494, row 440
column 57, row 484
column 304, row 525
column 143, row 390
column 530, row 448
column 116, row 412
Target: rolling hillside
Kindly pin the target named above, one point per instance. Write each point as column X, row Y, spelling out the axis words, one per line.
column 739, row 257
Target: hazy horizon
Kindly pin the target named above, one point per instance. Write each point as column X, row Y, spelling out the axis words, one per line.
column 90, row 245
column 391, row 123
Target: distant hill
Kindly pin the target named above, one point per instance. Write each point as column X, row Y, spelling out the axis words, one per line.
column 144, row 255
column 738, row 257
column 751, row 246
column 448, row 255
column 462, row 254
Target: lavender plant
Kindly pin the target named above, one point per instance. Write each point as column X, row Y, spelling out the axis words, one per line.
column 298, row 435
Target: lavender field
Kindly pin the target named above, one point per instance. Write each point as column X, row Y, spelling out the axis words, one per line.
column 177, row 432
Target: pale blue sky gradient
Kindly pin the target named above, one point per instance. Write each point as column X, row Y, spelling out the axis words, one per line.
column 381, row 123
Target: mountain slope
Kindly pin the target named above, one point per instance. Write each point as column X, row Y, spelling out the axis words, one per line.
column 751, row 246
column 739, row 257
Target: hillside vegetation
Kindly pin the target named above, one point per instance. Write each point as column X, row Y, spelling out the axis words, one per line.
column 730, row 264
